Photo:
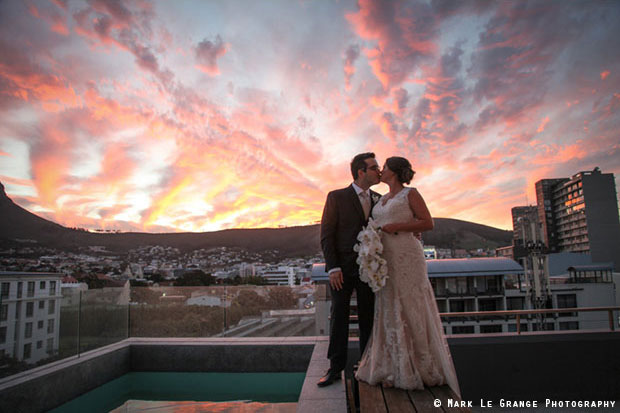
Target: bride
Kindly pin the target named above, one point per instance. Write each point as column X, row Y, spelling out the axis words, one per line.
column 407, row 348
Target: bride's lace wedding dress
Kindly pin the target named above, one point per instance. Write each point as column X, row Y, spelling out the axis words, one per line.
column 407, row 348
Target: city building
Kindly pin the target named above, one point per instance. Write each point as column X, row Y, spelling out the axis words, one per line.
column 281, row 275
column 247, row 270
column 29, row 315
column 498, row 284
column 580, row 214
column 546, row 216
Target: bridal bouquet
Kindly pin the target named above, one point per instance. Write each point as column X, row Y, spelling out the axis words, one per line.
column 373, row 268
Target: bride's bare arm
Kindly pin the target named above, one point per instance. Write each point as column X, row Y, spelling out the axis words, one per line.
column 422, row 220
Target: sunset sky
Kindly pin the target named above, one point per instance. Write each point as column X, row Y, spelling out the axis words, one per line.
column 206, row 115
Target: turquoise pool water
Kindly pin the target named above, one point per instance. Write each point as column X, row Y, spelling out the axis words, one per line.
column 258, row 387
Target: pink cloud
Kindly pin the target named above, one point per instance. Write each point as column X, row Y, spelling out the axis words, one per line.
column 403, row 33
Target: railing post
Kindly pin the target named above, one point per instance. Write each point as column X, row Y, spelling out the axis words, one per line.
column 78, row 322
column 518, row 323
column 612, row 326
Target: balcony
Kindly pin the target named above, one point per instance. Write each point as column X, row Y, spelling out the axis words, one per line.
column 104, row 334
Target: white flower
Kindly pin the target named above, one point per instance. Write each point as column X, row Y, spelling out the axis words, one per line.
column 373, row 267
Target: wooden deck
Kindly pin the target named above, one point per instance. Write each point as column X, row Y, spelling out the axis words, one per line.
column 376, row 399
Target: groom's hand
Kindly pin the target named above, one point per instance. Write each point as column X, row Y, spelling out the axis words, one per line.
column 336, row 279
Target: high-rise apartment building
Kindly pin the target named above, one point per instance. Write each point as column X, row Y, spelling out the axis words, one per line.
column 580, row 214
column 546, row 216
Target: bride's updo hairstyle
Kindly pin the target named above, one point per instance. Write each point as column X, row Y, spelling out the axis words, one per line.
column 401, row 167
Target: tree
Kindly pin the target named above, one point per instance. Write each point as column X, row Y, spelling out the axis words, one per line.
column 92, row 281
column 254, row 280
column 282, row 298
column 156, row 277
column 195, row 277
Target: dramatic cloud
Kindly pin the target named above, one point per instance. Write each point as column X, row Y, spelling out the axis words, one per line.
column 207, row 53
column 156, row 116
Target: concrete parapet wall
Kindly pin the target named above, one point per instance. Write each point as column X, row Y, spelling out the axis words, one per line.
column 46, row 387
column 538, row 366
column 254, row 355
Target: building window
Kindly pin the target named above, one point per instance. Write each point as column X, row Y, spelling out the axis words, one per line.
column 569, row 325
column 28, row 330
column 512, row 328
column 52, row 307
column 20, row 286
column 546, row 327
column 567, row 301
column 52, row 288
column 2, row 335
column 41, row 304
column 27, row 350
column 39, row 344
column 491, row 329
column 463, row 330
column 29, row 309
column 515, row 303
column 457, row 306
column 4, row 312
column 40, row 324
column 50, row 326
column 18, row 307
column 42, row 285
column 30, row 289
column 5, row 290
column 487, row 305
column 50, row 345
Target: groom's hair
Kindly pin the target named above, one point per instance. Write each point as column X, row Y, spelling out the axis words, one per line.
column 359, row 162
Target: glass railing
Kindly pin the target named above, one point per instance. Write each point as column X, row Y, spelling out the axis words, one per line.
column 223, row 311
column 90, row 319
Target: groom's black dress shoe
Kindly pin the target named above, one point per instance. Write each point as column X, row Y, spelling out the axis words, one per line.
column 329, row 378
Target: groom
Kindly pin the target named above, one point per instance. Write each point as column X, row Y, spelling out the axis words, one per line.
column 346, row 212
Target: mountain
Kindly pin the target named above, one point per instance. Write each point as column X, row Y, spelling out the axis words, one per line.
column 17, row 224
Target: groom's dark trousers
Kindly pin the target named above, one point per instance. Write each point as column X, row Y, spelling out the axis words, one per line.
column 343, row 218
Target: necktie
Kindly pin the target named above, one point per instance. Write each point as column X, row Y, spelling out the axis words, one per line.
column 365, row 200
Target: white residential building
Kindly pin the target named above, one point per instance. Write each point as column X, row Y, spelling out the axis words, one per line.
column 279, row 275
column 29, row 315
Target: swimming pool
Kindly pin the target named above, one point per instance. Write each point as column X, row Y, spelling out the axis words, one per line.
column 167, row 386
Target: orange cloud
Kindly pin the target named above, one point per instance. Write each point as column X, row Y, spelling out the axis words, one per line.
column 542, row 125
column 47, row 171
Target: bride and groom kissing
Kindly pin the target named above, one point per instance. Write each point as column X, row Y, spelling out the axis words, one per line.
column 401, row 337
